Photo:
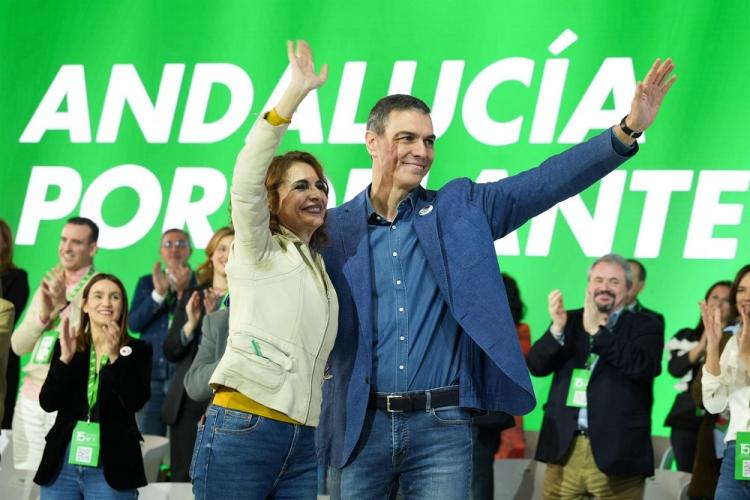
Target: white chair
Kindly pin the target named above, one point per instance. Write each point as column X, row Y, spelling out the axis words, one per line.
column 662, row 446
column 16, row 484
column 667, row 485
column 155, row 450
column 166, row 491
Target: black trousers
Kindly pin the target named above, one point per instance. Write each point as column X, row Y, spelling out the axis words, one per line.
column 683, row 443
column 182, row 438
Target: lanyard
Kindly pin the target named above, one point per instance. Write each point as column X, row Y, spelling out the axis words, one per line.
column 70, row 296
column 93, row 384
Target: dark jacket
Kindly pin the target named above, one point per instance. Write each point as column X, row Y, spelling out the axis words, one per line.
column 213, row 344
column 183, row 356
column 619, row 394
column 124, row 387
column 151, row 320
column 683, row 414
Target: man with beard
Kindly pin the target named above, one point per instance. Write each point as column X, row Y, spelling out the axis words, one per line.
column 596, row 432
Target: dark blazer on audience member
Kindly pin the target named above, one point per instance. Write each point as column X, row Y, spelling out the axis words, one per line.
column 212, row 347
column 124, row 387
column 15, row 288
column 182, row 355
column 620, row 392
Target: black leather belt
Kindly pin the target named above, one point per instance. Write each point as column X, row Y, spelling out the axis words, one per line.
column 411, row 401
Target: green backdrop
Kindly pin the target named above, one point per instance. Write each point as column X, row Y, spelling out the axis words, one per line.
column 132, row 112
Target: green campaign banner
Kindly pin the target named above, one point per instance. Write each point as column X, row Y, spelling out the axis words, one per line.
column 132, row 113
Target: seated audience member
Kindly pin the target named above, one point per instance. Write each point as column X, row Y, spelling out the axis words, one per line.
column 58, row 297
column 488, row 428
column 180, row 412
column 639, row 283
column 726, row 383
column 596, row 431
column 156, row 296
column 98, row 379
column 686, row 354
column 15, row 284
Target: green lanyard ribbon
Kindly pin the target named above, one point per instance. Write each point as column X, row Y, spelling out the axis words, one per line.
column 93, row 384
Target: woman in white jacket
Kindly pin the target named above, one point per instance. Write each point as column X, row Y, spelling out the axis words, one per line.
column 257, row 440
column 726, row 381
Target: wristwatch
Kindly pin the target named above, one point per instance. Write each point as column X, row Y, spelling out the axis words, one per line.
column 629, row 131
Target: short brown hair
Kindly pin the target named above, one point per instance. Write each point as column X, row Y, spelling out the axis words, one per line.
column 84, row 331
column 205, row 272
column 275, row 176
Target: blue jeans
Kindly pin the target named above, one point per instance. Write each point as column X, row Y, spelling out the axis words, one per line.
column 425, row 453
column 729, row 488
column 241, row 455
column 149, row 417
column 74, row 482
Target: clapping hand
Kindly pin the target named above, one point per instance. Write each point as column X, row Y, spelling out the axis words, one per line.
column 159, row 278
column 193, row 311
column 557, row 311
column 68, row 341
column 53, row 294
column 593, row 318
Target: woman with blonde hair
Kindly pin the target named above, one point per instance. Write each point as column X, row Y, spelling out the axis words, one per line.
column 180, row 412
column 99, row 378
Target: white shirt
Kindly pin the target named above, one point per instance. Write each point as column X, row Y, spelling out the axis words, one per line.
column 731, row 387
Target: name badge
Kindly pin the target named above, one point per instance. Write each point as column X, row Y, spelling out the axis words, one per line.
column 742, row 457
column 42, row 354
column 579, row 381
column 84, row 444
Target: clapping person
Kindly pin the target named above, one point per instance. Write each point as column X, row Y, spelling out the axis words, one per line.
column 687, row 349
column 179, row 411
column 726, row 383
column 98, row 379
column 15, row 289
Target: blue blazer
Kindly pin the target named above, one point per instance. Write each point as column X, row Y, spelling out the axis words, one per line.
column 456, row 235
column 151, row 321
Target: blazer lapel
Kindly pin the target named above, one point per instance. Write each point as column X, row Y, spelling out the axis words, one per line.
column 426, row 227
column 355, row 241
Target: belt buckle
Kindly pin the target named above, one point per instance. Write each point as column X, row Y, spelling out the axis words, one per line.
column 388, row 398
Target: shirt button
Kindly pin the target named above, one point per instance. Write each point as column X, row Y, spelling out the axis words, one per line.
column 400, row 309
column 398, row 282
column 400, row 367
column 393, row 227
column 402, row 337
column 395, row 254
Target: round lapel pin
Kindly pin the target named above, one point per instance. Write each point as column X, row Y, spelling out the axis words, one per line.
column 126, row 350
column 425, row 210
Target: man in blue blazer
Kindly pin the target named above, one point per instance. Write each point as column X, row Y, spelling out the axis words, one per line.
column 151, row 313
column 425, row 331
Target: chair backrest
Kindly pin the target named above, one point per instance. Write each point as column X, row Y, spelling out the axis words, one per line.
column 530, row 438
column 166, row 491
column 155, row 450
column 14, row 483
column 661, row 446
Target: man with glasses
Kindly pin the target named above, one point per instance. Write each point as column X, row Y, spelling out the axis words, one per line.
column 151, row 314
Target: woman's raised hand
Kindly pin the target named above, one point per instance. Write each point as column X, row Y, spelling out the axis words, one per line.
column 303, row 77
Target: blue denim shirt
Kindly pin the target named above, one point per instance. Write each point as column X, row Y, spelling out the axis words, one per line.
column 416, row 336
